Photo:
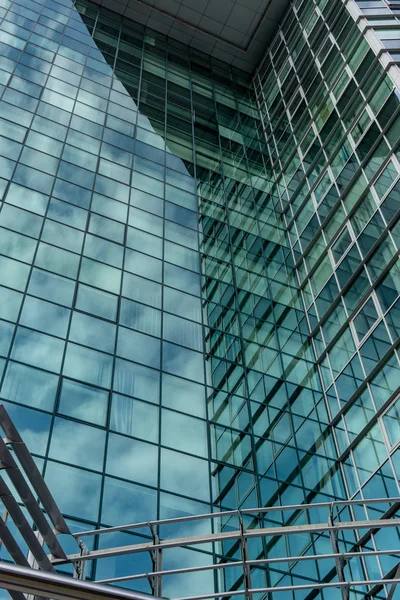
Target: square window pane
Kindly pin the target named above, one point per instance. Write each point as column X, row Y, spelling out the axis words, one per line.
column 100, row 275
column 129, row 415
column 45, row 316
column 136, row 380
column 51, row 287
column 143, row 265
column 78, row 444
column 37, row 349
column 138, row 347
column 184, row 475
column 183, row 395
column 33, row 426
column 97, row 302
column 28, row 385
column 10, row 302
column 64, row 482
column 83, row 402
column 142, row 290
column 92, row 332
column 131, row 459
column 183, row 433
column 127, row 503
column 183, row 362
column 181, row 304
column 140, row 317
column 88, row 365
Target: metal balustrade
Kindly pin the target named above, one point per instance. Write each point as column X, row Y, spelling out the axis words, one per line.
column 349, row 542
column 332, row 528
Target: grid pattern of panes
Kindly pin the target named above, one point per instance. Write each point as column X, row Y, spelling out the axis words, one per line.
column 257, row 344
column 264, row 393
column 93, row 201
column 384, row 17
column 106, row 140
column 101, row 341
column 271, row 440
column 332, row 121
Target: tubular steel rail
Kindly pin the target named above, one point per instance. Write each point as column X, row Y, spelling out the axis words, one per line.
column 332, row 529
column 21, row 580
column 229, row 547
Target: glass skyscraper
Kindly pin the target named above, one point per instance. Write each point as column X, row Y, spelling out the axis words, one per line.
column 200, row 274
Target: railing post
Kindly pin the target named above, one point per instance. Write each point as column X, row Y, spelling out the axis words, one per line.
column 245, row 558
column 339, row 561
column 156, row 559
column 80, row 566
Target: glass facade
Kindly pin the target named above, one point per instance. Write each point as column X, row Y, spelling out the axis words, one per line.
column 383, row 16
column 332, row 120
column 200, row 273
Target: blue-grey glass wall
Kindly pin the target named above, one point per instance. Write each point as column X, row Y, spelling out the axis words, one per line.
column 98, row 296
column 199, row 274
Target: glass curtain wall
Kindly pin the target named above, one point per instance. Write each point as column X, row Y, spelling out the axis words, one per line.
column 332, row 121
column 384, row 18
column 102, row 361
column 172, row 235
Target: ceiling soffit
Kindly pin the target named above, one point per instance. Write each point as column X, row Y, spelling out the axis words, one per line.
column 235, row 31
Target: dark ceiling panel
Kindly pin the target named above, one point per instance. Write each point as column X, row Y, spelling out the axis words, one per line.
column 235, row 31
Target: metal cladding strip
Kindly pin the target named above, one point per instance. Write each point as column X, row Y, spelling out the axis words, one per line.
column 11, row 545
column 32, row 472
column 59, row 587
column 231, row 535
column 8, row 463
column 24, row 528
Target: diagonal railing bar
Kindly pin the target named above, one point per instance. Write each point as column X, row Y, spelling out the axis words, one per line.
column 16, row 595
column 23, row 526
column 32, row 472
column 10, row 466
column 11, row 545
column 394, row 585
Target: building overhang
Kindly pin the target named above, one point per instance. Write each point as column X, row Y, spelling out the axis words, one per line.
column 234, row 31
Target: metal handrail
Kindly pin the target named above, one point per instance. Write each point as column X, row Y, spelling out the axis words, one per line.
column 60, row 587
column 228, row 513
column 242, row 536
column 20, row 580
column 293, row 588
column 227, row 536
column 256, row 562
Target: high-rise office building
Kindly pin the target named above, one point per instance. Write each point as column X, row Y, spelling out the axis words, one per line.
column 199, row 256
